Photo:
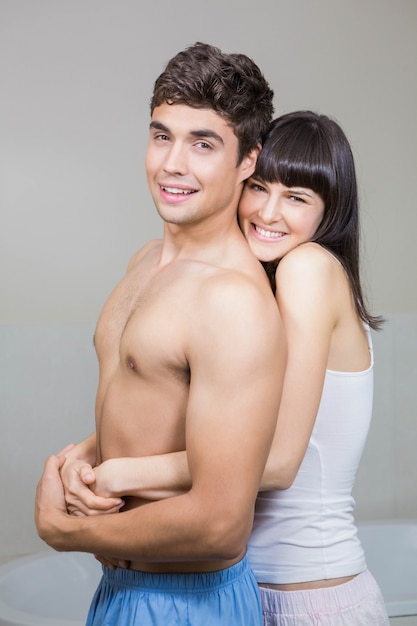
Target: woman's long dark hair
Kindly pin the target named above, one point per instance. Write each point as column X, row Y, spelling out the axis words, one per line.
column 306, row 149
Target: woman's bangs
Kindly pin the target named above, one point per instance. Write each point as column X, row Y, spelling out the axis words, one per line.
column 288, row 165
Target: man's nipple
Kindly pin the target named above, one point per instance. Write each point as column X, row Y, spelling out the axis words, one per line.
column 131, row 363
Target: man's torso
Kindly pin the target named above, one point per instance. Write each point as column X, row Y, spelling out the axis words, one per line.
column 142, row 338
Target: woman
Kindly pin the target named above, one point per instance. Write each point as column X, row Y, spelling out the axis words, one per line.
column 299, row 214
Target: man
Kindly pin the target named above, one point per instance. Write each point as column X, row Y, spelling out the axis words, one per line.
column 191, row 355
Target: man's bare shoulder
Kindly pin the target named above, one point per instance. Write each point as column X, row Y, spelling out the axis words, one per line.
column 236, row 285
column 231, row 299
column 152, row 246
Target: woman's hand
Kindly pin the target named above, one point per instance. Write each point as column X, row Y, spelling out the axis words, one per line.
column 78, row 479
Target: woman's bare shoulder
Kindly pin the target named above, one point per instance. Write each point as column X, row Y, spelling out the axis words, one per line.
column 309, row 260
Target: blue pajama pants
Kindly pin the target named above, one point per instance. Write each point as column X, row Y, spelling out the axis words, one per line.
column 227, row 597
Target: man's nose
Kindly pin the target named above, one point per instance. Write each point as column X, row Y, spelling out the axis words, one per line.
column 176, row 161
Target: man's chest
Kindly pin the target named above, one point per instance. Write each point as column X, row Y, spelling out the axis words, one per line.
column 146, row 325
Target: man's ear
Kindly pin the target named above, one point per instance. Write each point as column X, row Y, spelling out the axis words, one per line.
column 248, row 164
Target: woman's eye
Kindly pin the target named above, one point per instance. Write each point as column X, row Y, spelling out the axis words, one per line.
column 296, row 198
column 257, row 187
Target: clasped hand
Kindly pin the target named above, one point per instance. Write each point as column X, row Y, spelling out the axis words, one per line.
column 87, row 492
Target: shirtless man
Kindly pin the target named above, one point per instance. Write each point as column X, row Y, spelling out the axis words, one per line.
column 191, row 354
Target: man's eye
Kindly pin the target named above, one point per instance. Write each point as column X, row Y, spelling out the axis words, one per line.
column 204, row 145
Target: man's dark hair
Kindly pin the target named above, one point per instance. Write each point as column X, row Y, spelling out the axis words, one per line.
column 232, row 85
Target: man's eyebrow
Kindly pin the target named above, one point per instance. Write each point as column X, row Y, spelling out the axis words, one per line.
column 198, row 133
column 159, row 126
column 209, row 134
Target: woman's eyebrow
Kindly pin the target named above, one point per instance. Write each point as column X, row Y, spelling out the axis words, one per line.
column 301, row 192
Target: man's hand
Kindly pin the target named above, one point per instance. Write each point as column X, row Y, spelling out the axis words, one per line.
column 51, row 509
column 50, row 500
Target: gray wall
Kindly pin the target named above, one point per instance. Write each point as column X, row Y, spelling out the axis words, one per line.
column 75, row 81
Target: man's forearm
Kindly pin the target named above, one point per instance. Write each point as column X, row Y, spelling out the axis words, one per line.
column 185, row 525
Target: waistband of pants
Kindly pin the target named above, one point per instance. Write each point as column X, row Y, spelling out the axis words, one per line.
column 195, row 582
column 338, row 596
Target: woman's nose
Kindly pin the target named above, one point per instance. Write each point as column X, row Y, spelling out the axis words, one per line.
column 270, row 211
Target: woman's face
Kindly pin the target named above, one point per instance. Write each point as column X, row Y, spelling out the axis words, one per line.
column 275, row 218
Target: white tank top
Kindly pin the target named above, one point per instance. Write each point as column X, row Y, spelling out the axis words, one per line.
column 307, row 532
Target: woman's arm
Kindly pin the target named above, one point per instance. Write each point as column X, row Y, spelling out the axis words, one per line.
column 151, row 478
column 307, row 296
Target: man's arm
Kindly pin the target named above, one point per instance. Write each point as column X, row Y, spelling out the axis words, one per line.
column 237, row 358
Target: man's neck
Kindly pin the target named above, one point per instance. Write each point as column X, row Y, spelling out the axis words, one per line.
column 200, row 242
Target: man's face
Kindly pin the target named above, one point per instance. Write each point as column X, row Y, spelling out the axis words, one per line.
column 191, row 164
